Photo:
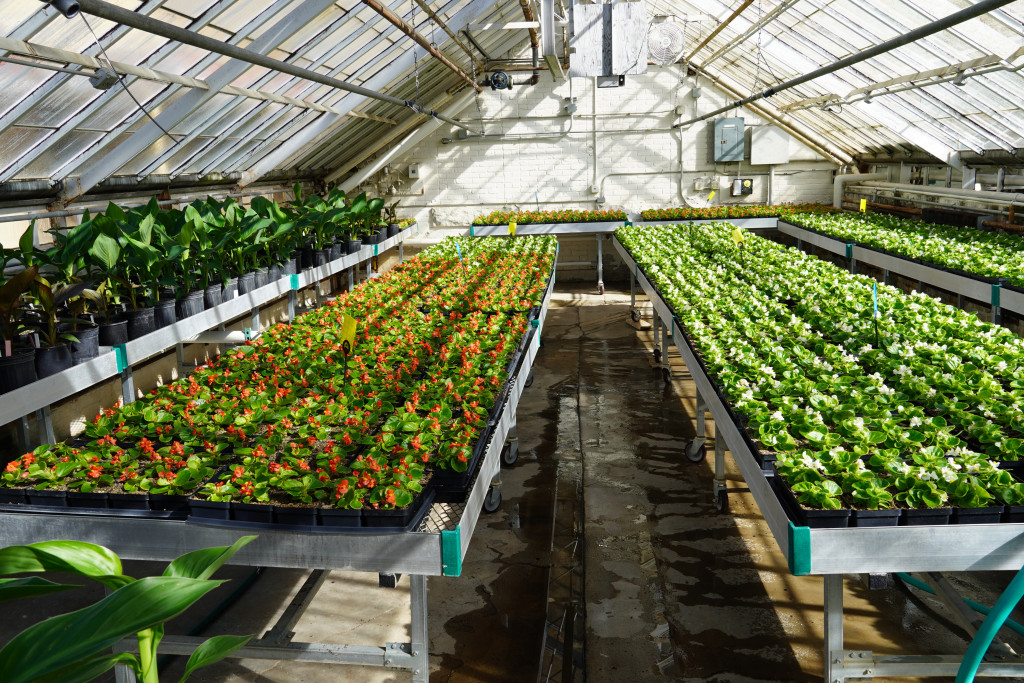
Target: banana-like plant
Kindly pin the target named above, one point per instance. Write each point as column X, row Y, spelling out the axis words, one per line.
column 11, row 293
column 76, row 646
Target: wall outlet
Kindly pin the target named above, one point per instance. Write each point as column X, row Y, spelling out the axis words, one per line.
column 414, row 170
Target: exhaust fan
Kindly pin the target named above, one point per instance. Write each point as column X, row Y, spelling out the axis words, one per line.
column 666, row 41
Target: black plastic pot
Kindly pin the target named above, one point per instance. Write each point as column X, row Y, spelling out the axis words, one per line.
column 988, row 515
column 164, row 314
column 275, row 272
column 369, row 239
column 168, row 501
column 252, row 512
column 353, row 245
column 925, row 516
column 875, row 517
column 307, row 257
column 261, row 277
column 393, row 229
column 230, row 290
column 17, row 370
column 112, row 334
column 48, row 497
column 190, row 304
column 88, row 345
column 141, row 322
column 52, row 359
column 290, row 267
column 333, row 517
column 322, row 257
column 301, row 516
column 128, row 501
column 335, row 251
column 213, row 295
column 77, row 499
column 246, row 283
column 209, row 509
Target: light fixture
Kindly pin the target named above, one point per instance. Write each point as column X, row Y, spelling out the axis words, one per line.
column 103, row 78
column 960, row 79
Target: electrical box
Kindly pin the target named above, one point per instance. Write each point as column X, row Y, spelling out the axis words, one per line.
column 742, row 186
column 769, row 145
column 414, row 170
column 728, row 141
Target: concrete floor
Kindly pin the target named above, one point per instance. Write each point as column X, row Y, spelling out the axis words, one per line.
column 602, row 519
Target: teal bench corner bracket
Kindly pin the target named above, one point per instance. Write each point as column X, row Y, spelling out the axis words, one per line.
column 376, row 249
column 121, row 357
column 799, row 550
column 248, row 333
column 628, row 224
column 451, row 552
column 294, row 280
column 849, row 250
column 472, row 231
column 997, row 287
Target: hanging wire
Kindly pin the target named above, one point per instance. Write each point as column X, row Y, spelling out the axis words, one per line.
column 415, row 58
column 759, row 54
column 120, row 79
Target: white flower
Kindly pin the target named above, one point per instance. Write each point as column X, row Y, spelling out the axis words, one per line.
column 777, row 415
column 916, row 421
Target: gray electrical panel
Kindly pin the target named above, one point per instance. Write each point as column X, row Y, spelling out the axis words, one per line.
column 728, row 140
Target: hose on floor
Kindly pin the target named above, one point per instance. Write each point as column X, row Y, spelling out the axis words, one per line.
column 976, row 606
column 1000, row 613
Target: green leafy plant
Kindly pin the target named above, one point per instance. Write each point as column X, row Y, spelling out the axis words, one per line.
column 75, row 646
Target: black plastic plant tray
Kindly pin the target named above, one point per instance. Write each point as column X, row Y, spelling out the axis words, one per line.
column 452, row 487
column 412, row 516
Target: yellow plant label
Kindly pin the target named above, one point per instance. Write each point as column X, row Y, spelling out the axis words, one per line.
column 512, row 228
column 712, row 195
column 738, row 237
column 348, row 333
column 863, row 205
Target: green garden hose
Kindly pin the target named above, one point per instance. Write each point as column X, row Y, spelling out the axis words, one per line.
column 977, row 607
column 999, row 614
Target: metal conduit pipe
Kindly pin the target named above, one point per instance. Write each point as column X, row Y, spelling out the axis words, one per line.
column 983, row 7
column 534, row 41
column 1015, row 199
column 842, row 180
column 444, row 27
column 105, row 10
column 423, row 42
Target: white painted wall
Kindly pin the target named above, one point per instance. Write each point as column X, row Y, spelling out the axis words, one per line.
column 636, row 158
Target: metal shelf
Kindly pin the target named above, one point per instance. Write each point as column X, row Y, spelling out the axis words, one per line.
column 44, row 392
column 957, row 547
column 752, row 223
column 586, row 228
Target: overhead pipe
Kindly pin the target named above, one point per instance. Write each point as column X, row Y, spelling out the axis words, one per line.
column 451, row 34
column 984, row 196
column 842, row 181
column 535, row 41
column 983, row 7
column 105, row 10
column 718, row 29
column 423, row 42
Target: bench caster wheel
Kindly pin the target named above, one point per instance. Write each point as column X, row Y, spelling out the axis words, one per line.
column 529, row 380
column 667, row 374
column 600, row 289
column 492, row 501
column 722, row 501
column 695, row 451
column 634, row 315
column 657, row 355
column 510, row 454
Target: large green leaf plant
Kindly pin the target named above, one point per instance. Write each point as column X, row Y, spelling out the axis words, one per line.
column 76, row 646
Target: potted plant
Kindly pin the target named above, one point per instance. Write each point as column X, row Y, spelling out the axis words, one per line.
column 17, row 366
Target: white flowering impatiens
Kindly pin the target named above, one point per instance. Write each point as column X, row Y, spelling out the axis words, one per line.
column 793, row 345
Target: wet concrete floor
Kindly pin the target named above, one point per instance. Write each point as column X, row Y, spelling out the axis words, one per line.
column 606, row 553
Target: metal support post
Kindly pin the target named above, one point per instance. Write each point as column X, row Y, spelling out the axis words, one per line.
column 369, row 268
column 282, row 632
column 24, row 440
column 665, row 331
column 853, row 265
column 401, row 252
column 834, row 669
column 696, row 450
column 632, row 291
column 702, row 409
column 799, row 244
column 885, row 276
column 254, row 320
column 656, row 324
column 418, row 630
column 127, row 385
column 351, row 279
column 720, row 496
column 179, row 354
column 959, row 300
column 510, row 453
column 45, row 420
column 292, row 302
column 600, row 263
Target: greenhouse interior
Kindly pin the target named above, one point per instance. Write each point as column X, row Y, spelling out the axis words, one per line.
column 511, row 340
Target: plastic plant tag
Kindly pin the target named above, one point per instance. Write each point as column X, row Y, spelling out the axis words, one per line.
column 348, row 333
column 874, row 298
column 863, row 205
column 712, row 195
column 737, row 237
column 459, row 250
column 512, row 228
